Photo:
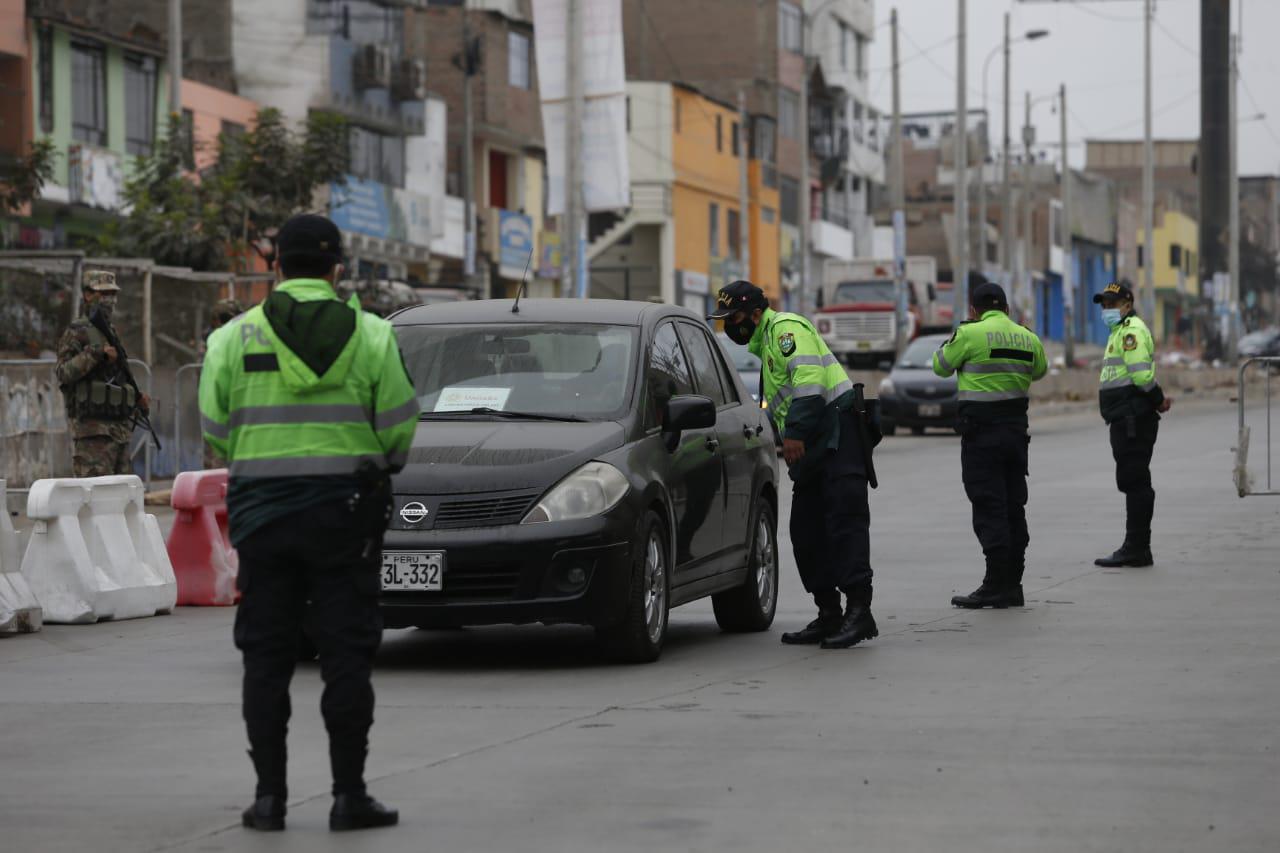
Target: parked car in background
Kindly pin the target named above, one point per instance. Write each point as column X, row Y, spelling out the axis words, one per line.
column 590, row 462
column 913, row 396
column 744, row 363
column 1265, row 342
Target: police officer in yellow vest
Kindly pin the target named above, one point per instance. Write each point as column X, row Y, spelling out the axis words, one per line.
column 1131, row 401
column 997, row 361
column 307, row 399
column 827, row 446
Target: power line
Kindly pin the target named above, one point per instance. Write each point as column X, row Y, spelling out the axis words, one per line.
column 1266, row 122
column 1159, row 112
column 1173, row 38
column 1076, row 4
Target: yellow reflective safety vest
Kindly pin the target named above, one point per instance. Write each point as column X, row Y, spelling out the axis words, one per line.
column 1127, row 386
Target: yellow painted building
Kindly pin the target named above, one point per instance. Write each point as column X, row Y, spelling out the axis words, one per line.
column 1176, row 269
column 706, row 203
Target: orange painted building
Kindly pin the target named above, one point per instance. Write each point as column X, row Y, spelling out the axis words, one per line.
column 213, row 112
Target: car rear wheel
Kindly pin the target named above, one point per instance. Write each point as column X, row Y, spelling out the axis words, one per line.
column 751, row 606
column 639, row 636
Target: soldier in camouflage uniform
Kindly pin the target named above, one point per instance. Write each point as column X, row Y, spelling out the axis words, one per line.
column 100, row 407
column 224, row 311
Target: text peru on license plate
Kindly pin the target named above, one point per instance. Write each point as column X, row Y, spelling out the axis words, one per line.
column 931, row 410
column 413, row 571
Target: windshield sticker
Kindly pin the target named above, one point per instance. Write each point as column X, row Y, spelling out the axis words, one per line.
column 457, row 399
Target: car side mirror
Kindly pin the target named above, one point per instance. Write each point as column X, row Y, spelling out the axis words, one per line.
column 689, row 411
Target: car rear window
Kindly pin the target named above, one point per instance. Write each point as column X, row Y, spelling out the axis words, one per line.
column 542, row 368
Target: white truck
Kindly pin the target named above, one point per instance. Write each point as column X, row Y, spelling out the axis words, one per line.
column 857, row 318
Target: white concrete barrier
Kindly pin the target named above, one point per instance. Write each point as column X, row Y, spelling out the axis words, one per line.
column 19, row 610
column 95, row 553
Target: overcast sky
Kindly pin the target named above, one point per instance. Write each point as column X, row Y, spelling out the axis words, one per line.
column 1095, row 47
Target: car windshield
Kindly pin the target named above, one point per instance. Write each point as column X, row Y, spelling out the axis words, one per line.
column 1261, row 338
column 541, row 369
column 919, row 354
column 863, row 291
column 743, row 361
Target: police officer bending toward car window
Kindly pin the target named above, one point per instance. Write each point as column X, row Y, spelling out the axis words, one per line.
column 997, row 361
column 307, row 399
column 827, row 438
column 1131, row 401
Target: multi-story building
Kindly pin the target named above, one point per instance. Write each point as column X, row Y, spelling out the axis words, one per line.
column 683, row 235
column 350, row 58
column 728, row 50
column 508, row 155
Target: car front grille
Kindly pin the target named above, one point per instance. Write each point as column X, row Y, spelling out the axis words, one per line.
column 877, row 326
column 483, row 512
column 929, row 392
column 478, row 583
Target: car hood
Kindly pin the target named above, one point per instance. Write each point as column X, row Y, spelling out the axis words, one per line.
column 466, row 456
column 911, row 377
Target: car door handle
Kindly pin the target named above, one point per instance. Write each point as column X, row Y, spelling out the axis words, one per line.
column 749, row 433
column 713, row 444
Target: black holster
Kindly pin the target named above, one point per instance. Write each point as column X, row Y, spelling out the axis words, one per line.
column 371, row 505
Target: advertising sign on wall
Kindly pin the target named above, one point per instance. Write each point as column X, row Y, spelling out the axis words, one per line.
column 515, row 243
column 377, row 210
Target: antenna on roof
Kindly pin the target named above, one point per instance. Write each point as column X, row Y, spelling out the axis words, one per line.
column 515, row 309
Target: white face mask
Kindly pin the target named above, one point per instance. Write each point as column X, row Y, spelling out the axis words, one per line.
column 1112, row 317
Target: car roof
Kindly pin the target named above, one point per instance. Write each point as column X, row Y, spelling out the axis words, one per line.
column 612, row 311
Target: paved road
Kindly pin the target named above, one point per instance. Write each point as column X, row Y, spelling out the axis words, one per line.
column 1121, row 710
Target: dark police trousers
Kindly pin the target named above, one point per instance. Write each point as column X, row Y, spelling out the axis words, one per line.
column 1132, row 442
column 308, row 570
column 831, row 524
column 993, row 466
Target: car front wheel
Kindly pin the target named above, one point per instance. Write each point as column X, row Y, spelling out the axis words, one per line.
column 639, row 636
column 751, row 606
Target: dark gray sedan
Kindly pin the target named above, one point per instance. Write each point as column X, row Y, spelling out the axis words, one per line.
column 913, row 396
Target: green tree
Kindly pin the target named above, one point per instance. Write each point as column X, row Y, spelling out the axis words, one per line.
column 259, row 179
column 22, row 177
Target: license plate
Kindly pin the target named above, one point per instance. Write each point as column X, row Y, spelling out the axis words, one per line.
column 931, row 410
column 862, row 345
column 413, row 571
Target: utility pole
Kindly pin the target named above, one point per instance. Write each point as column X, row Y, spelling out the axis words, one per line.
column 1068, row 273
column 468, row 155
column 1027, row 302
column 960, row 275
column 175, row 58
column 806, row 197
column 898, row 188
column 1148, row 175
column 575, row 235
column 1007, row 227
column 1233, row 229
column 744, row 194
column 1217, row 129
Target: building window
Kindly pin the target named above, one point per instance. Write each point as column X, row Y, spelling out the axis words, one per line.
column 719, row 134
column 789, row 199
column 789, row 113
column 139, row 103
column 860, row 46
column 45, row 72
column 713, row 230
column 735, row 234
column 847, row 47
column 677, row 115
column 231, row 130
column 518, row 60
column 857, row 122
column 376, row 157
column 1141, row 264
column 1175, row 256
column 768, row 215
column 737, row 144
column 88, row 93
column 790, row 24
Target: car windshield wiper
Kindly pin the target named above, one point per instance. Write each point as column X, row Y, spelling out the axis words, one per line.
column 500, row 413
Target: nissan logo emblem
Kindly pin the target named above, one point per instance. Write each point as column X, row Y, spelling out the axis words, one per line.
column 413, row 513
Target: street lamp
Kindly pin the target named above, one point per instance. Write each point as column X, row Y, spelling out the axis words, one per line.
column 1029, row 35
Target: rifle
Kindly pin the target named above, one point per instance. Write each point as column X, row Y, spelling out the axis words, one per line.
column 123, row 372
column 863, row 416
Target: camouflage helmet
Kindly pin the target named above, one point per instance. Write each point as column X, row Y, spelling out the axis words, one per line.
column 102, row 281
column 225, row 310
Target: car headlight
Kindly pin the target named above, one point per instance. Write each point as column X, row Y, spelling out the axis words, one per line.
column 886, row 388
column 593, row 489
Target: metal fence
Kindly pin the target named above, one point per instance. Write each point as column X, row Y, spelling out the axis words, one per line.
column 1245, row 482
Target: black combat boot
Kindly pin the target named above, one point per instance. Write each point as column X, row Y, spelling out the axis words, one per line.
column 1132, row 554
column 815, row 632
column 857, row 625
column 1014, row 581
column 360, row 811
column 266, row 814
column 994, row 592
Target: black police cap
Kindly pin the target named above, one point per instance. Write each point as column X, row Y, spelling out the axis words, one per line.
column 989, row 296
column 739, row 296
column 1114, row 290
column 309, row 235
